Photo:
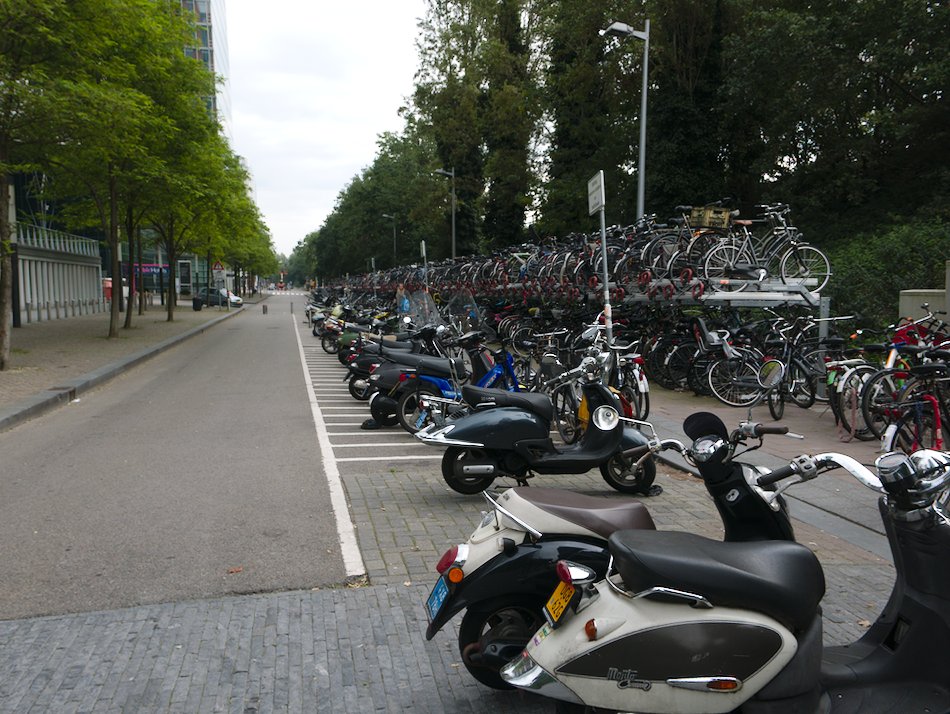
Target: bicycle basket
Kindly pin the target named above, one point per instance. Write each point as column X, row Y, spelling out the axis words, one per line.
column 710, row 217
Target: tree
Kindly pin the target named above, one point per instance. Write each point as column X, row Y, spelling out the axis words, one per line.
column 31, row 48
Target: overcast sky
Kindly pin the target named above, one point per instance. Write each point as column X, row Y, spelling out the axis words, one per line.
column 313, row 83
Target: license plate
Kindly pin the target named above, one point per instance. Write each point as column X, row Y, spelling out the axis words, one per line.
column 557, row 604
column 436, row 598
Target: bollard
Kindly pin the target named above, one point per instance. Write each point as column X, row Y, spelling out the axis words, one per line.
column 291, row 308
column 264, row 309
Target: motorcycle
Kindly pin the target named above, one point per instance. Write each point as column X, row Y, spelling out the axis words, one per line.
column 508, row 434
column 682, row 623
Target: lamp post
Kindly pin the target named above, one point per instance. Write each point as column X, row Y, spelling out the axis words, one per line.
column 393, row 217
column 621, row 29
column 451, row 174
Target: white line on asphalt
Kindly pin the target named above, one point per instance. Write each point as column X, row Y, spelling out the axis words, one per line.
column 363, row 432
column 390, row 458
column 363, row 445
column 349, row 548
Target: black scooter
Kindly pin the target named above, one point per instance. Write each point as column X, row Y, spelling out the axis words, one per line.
column 509, row 434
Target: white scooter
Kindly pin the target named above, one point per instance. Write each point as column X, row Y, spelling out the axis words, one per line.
column 685, row 624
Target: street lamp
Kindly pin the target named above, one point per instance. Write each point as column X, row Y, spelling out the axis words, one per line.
column 451, row 174
column 621, row 29
column 386, row 215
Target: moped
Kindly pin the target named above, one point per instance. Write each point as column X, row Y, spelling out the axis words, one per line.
column 502, row 575
column 683, row 624
column 509, row 434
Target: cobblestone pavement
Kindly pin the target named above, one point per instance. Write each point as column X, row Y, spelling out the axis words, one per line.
column 346, row 649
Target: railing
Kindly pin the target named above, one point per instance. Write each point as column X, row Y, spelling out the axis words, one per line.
column 49, row 239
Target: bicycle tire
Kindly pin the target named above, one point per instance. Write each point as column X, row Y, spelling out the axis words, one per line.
column 734, row 381
column 717, row 267
column 848, row 394
column 776, row 401
column 879, row 396
column 807, row 266
column 566, row 421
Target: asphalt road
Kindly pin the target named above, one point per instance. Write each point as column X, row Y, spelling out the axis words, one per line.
column 194, row 475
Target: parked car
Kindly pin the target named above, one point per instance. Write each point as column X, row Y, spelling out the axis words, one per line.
column 219, row 296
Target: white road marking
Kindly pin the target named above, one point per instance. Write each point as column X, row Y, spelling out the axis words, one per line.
column 349, row 548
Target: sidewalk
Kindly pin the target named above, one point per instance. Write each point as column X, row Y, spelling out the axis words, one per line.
column 55, row 361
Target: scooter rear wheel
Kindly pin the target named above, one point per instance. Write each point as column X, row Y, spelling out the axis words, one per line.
column 357, row 393
column 452, row 463
column 622, row 475
column 513, row 618
column 330, row 343
column 411, row 415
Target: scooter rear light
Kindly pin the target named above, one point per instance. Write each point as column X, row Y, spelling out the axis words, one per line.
column 447, row 560
column 590, row 629
column 373, row 367
column 563, row 571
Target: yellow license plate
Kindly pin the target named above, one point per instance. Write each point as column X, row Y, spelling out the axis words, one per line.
column 558, row 602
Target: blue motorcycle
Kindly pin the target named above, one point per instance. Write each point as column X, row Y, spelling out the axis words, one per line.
column 434, row 390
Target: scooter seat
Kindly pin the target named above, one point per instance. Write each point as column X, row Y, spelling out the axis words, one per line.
column 781, row 579
column 603, row 516
column 445, row 367
column 481, row 397
column 375, row 347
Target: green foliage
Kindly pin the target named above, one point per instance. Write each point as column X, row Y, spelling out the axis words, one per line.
column 837, row 108
column 871, row 269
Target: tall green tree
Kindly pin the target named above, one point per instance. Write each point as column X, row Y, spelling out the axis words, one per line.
column 33, row 46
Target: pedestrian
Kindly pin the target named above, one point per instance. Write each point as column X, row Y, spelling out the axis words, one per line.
column 402, row 300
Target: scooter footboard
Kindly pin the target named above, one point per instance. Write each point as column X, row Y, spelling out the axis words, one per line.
column 527, row 570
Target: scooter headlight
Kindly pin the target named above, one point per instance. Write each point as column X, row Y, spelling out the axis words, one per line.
column 605, row 417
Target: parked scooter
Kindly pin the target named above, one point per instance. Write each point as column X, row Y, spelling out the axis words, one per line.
column 509, row 434
column 501, row 576
column 686, row 624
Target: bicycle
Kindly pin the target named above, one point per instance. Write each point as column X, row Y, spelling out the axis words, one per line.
column 736, row 261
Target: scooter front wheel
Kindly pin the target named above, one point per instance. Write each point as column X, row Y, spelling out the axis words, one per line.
column 622, row 474
column 454, row 460
column 330, row 343
column 491, row 630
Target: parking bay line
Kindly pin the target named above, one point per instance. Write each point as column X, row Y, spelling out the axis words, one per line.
column 349, row 547
column 390, row 458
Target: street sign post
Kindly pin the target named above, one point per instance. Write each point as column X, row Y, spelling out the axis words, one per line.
column 596, row 203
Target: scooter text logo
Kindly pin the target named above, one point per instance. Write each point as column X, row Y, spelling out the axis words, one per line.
column 627, row 679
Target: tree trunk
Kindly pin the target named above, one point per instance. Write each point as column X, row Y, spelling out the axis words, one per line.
column 116, row 264
column 6, row 272
column 172, row 265
column 133, row 278
column 141, row 274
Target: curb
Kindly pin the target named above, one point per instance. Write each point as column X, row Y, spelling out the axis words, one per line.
column 69, row 389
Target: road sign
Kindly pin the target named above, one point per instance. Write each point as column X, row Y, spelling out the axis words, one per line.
column 596, row 198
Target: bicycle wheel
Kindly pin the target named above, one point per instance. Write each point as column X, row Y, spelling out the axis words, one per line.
column 807, row 266
column 734, row 381
column 848, row 395
column 566, row 422
column 801, row 387
column 880, row 394
column 776, row 401
column 678, row 362
column 719, row 267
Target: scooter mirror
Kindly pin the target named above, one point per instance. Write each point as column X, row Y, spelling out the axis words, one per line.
column 770, row 373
